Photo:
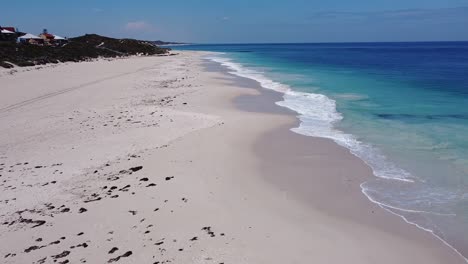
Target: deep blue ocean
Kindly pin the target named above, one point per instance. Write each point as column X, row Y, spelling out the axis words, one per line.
column 400, row 107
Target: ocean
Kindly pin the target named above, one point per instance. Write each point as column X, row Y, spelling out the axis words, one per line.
column 400, row 107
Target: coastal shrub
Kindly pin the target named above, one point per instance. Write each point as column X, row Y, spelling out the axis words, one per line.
column 82, row 48
column 25, row 63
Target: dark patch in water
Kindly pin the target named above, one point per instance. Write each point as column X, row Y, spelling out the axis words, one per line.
column 425, row 117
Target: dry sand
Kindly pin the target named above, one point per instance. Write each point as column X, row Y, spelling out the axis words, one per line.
column 162, row 160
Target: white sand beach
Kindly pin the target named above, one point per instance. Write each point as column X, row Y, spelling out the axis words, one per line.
column 171, row 160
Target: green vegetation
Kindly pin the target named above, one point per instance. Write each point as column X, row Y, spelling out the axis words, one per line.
column 78, row 49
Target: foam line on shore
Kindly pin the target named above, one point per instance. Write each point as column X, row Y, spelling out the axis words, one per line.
column 318, row 116
column 390, row 210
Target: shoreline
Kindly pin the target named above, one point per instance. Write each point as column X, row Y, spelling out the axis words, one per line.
column 302, row 191
column 197, row 158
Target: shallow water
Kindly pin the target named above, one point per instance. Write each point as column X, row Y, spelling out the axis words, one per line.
column 400, row 107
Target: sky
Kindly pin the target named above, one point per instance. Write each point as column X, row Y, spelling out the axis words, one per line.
column 245, row 21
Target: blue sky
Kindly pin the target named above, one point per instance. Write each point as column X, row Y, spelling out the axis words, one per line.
column 245, row 21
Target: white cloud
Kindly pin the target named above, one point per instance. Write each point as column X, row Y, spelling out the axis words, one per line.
column 139, row 26
column 226, row 18
column 97, row 10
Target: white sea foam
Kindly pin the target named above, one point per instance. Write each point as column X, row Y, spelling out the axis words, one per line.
column 392, row 210
column 239, row 70
column 318, row 116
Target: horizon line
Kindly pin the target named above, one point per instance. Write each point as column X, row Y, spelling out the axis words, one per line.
column 324, row 42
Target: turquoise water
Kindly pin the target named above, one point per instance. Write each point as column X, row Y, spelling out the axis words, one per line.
column 400, row 107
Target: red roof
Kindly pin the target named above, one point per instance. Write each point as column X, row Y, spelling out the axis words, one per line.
column 47, row 35
column 12, row 29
